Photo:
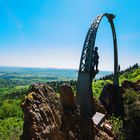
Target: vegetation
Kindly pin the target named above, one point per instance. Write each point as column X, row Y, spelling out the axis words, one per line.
column 14, row 83
column 129, row 74
column 11, row 119
column 133, row 75
column 14, row 86
column 11, row 128
column 127, row 129
column 10, row 108
column 97, row 87
column 117, row 124
column 130, row 96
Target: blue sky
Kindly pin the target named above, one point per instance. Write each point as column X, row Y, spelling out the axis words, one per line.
column 51, row 33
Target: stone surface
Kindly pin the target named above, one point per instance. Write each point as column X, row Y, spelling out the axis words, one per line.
column 67, row 96
column 107, row 98
column 42, row 114
column 133, row 85
column 98, row 106
column 47, row 117
column 112, row 100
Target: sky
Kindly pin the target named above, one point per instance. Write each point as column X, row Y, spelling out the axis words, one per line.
column 51, row 33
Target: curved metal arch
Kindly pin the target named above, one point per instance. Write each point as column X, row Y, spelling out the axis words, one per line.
column 86, row 73
column 88, row 47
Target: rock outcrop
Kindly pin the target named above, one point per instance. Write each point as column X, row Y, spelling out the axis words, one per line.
column 42, row 114
column 47, row 117
column 107, row 98
column 133, row 85
column 112, row 100
column 67, row 96
column 98, row 106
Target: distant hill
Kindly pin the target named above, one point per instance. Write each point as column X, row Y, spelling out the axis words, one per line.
column 43, row 73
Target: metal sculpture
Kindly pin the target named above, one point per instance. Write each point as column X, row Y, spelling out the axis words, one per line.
column 87, row 73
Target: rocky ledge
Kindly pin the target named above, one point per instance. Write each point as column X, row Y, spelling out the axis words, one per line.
column 48, row 117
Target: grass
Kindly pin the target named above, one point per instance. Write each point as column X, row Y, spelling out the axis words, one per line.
column 7, row 90
column 133, row 76
column 97, row 87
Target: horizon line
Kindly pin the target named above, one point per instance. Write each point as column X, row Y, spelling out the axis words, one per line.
column 46, row 67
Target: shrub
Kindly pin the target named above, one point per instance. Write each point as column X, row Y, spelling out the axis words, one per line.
column 10, row 108
column 117, row 125
column 11, row 128
column 97, row 87
column 130, row 96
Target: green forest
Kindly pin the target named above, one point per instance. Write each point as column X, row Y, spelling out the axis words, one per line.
column 12, row 93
